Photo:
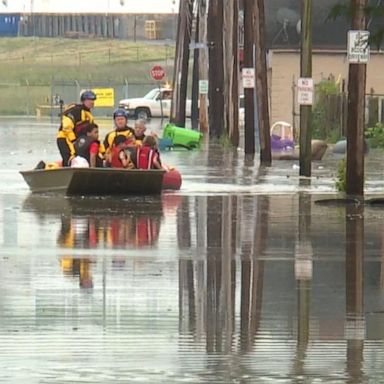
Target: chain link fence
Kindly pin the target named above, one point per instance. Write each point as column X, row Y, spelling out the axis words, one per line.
column 45, row 100
column 36, row 76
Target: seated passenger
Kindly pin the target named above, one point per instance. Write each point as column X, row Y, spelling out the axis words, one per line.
column 120, row 118
column 139, row 130
column 147, row 156
column 87, row 149
column 120, row 157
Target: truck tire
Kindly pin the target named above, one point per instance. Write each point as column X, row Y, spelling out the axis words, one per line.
column 142, row 113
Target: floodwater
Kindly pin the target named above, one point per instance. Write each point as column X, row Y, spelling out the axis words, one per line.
column 239, row 277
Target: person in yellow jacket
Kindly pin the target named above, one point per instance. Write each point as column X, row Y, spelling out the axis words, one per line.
column 74, row 122
column 120, row 119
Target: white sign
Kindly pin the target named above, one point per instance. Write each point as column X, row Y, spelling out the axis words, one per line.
column 194, row 45
column 248, row 77
column 305, row 91
column 203, row 87
column 358, row 47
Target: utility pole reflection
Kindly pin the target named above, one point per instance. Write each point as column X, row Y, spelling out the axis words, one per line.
column 252, row 269
column 303, row 276
column 208, row 287
column 186, row 275
column 355, row 320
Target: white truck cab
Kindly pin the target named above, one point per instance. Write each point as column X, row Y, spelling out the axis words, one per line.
column 150, row 105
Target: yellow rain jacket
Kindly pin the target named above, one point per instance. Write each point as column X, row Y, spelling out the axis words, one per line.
column 74, row 121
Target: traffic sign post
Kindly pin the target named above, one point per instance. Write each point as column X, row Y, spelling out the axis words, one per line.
column 305, row 91
column 358, row 47
column 248, row 77
column 157, row 72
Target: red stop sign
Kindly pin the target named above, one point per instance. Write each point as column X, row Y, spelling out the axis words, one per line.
column 157, row 72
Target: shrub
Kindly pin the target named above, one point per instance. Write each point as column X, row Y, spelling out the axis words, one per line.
column 375, row 136
column 341, row 181
column 325, row 113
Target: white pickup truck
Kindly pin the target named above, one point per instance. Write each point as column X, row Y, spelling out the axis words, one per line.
column 150, row 105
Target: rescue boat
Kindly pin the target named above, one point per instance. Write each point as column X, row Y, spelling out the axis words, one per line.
column 101, row 181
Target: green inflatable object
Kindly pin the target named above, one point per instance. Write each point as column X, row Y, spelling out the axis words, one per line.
column 182, row 137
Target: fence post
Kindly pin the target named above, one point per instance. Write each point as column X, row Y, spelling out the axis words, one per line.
column 373, row 110
column 126, row 88
column 294, row 107
column 345, row 109
column 78, row 89
column 28, row 96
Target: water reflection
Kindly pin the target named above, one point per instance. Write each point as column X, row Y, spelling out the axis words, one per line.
column 355, row 317
column 207, row 294
column 303, row 275
column 223, row 288
column 223, row 294
column 110, row 223
column 107, row 223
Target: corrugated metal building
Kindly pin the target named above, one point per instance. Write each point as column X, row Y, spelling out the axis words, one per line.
column 157, row 19
column 126, row 19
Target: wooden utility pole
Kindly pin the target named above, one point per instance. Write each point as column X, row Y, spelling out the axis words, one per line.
column 216, row 68
column 356, row 110
column 261, row 74
column 231, row 68
column 203, row 65
column 306, row 71
column 249, row 49
column 180, row 76
column 195, row 79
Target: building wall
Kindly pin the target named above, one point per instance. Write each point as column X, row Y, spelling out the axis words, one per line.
column 95, row 25
column 9, row 24
column 285, row 68
column 101, row 7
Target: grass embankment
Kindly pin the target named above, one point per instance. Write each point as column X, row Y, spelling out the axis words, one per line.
column 28, row 67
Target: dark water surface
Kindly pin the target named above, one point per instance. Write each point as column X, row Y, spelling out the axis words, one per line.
column 240, row 277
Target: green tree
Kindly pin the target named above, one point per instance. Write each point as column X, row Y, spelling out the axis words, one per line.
column 374, row 12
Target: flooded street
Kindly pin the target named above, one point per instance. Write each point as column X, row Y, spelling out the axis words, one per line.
column 239, row 277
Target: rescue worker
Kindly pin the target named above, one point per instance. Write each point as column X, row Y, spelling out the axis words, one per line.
column 147, row 156
column 120, row 118
column 74, row 121
column 87, row 146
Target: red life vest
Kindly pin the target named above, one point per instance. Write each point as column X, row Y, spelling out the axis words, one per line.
column 144, row 158
column 115, row 160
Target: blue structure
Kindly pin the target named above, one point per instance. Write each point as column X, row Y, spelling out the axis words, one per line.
column 9, row 24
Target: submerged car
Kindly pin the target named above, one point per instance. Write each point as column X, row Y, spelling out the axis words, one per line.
column 151, row 104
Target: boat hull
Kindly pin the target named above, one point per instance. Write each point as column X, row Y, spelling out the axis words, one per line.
column 95, row 181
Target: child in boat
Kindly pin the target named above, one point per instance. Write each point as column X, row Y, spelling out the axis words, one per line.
column 148, row 156
column 87, row 149
column 120, row 156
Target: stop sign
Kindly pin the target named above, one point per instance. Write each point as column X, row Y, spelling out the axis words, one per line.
column 157, row 72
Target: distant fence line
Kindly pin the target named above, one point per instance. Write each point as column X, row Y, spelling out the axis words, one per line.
column 44, row 99
column 105, row 55
column 333, row 112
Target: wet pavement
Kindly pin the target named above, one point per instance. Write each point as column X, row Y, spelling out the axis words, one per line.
column 240, row 277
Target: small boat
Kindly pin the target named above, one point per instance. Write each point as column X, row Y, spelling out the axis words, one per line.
column 95, row 181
